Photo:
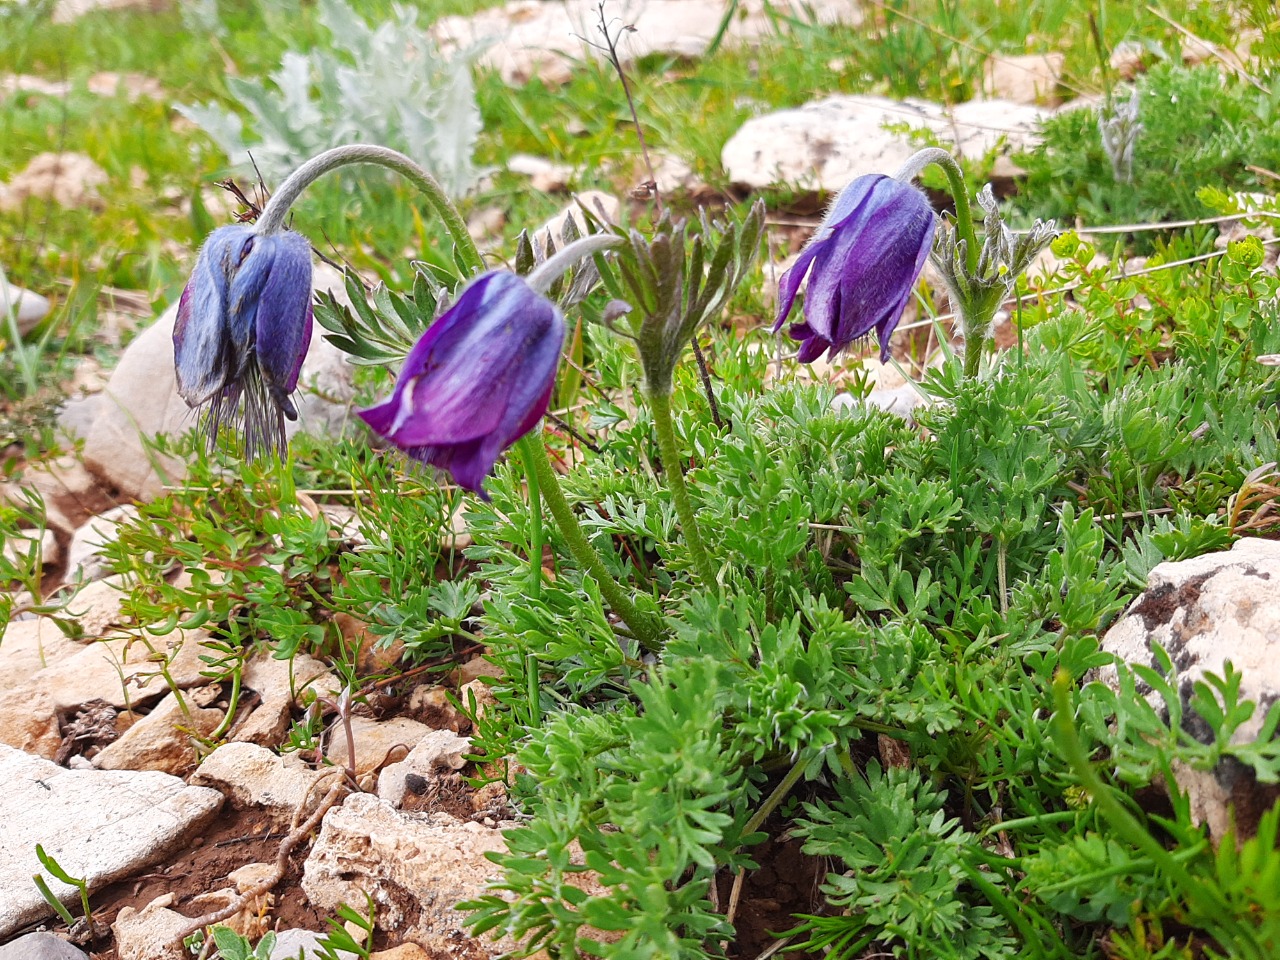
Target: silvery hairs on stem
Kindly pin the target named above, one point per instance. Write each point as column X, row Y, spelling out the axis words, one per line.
column 1003, row 256
column 1119, row 126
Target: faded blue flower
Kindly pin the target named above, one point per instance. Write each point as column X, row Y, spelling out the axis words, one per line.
column 478, row 380
column 862, row 265
column 242, row 331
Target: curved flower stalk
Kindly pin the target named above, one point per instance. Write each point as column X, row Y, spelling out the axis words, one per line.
column 244, row 320
column 478, row 380
column 862, row 264
column 242, row 331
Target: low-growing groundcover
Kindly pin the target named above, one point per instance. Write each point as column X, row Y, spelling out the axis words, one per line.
column 939, row 586
column 868, row 637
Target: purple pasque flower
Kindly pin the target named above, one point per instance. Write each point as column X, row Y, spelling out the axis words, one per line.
column 242, row 331
column 862, row 265
column 477, row 381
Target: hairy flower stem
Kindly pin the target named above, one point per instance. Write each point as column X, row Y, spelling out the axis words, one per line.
column 972, row 356
column 959, row 193
column 646, row 629
column 272, row 219
column 975, row 335
column 535, row 522
column 660, row 404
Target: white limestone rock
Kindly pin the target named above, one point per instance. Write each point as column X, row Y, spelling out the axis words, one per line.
column 290, row 944
column 31, row 724
column 41, row 946
column 602, row 206
column 280, row 685
column 29, row 646
column 438, row 752
column 68, row 11
column 377, row 742
column 827, row 143
column 162, row 740
column 547, row 39
column 151, row 933
column 85, row 560
column 1204, row 612
column 432, row 860
column 122, row 671
column 253, row 778
column 99, row 825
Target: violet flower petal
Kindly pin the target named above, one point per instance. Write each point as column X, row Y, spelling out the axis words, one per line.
column 862, row 266
column 479, row 379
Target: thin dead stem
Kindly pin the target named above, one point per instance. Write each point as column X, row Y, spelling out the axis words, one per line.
column 296, row 835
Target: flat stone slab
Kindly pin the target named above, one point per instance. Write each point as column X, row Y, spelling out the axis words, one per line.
column 99, row 825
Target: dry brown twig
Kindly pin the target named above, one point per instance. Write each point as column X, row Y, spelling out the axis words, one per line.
column 296, row 834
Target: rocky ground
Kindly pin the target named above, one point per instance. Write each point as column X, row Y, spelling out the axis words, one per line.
column 118, row 755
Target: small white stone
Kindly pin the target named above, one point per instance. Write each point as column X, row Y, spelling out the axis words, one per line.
column 162, row 740
column 436, row 752
column 254, row 778
column 18, row 549
column 377, row 742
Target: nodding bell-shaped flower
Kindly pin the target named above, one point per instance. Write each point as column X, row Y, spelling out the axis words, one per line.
column 862, row 265
column 477, row 381
column 242, row 331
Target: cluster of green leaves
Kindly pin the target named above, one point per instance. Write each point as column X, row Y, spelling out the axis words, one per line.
column 337, row 943
column 258, row 564
column 1200, row 127
column 921, row 583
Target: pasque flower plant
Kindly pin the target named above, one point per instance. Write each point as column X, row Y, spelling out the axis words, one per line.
column 979, row 277
column 864, row 260
column 476, row 382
